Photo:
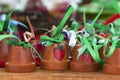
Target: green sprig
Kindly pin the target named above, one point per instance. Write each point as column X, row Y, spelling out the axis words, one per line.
column 6, row 23
column 59, row 28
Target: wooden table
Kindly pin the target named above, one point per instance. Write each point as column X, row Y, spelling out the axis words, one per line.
column 56, row 75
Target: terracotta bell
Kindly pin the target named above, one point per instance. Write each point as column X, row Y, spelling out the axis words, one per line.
column 55, row 57
column 20, row 60
column 84, row 63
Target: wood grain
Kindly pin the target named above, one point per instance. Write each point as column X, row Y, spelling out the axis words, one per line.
column 56, row 75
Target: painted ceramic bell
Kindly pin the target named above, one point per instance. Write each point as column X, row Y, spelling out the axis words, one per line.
column 55, row 57
column 84, row 63
column 20, row 60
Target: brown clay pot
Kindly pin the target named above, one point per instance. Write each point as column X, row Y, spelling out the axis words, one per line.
column 112, row 65
column 85, row 63
column 20, row 60
column 55, row 57
column 3, row 52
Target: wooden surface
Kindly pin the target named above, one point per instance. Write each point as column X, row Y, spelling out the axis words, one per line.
column 56, row 75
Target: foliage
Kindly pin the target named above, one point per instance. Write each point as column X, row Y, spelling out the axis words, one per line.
column 57, row 36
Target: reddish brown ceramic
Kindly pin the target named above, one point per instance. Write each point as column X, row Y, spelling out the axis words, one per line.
column 53, row 59
column 112, row 65
column 84, row 63
column 20, row 60
column 3, row 52
column 101, row 52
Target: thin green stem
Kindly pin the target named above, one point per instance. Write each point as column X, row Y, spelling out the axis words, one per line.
column 36, row 52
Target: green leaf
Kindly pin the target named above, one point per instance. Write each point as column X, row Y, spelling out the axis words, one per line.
column 61, row 37
column 8, row 36
column 112, row 48
column 117, row 22
column 84, row 20
column 118, row 44
column 96, row 49
column 90, row 49
column 13, row 28
column 26, row 45
column 115, row 5
column 6, row 23
column 75, row 25
column 112, row 29
column 57, row 39
column 90, row 27
column 12, row 42
column 48, row 43
column 46, row 38
column 20, row 43
column 9, row 42
column 1, row 26
column 38, row 54
column 59, row 28
column 96, row 18
column 101, row 27
column 81, row 50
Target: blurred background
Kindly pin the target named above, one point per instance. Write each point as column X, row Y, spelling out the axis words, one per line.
column 45, row 13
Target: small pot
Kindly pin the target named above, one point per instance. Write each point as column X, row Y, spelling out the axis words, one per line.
column 112, row 65
column 84, row 63
column 20, row 60
column 55, row 57
column 3, row 52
